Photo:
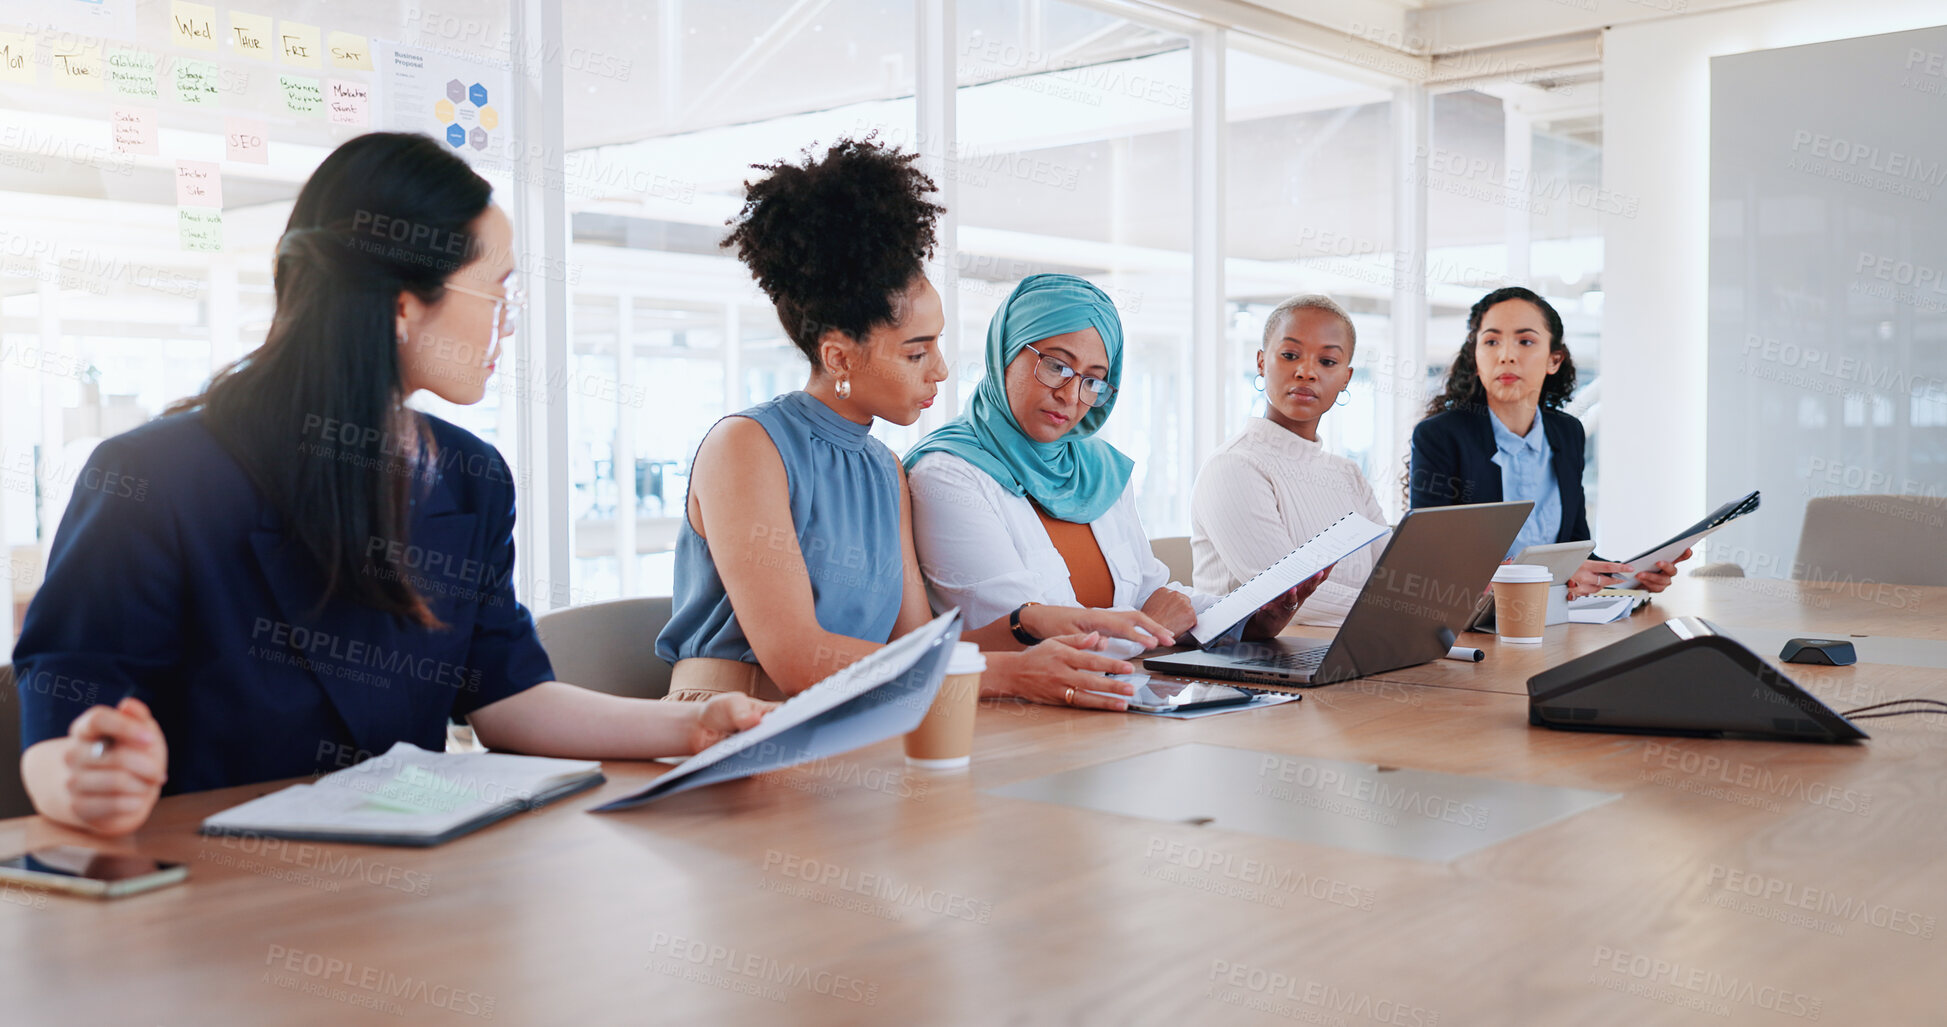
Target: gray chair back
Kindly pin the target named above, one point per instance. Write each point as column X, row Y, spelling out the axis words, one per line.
column 609, row 647
column 1883, row 539
column 13, row 792
column 1174, row 551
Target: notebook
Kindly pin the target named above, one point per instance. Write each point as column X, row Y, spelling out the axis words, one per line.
column 1345, row 536
column 408, row 796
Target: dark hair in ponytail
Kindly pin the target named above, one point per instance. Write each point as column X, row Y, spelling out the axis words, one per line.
column 1463, row 387
column 314, row 415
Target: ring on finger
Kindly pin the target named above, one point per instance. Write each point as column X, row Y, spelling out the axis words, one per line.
column 1070, row 697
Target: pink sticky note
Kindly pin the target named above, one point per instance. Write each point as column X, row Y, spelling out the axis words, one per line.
column 134, row 129
column 349, row 102
column 246, row 140
column 199, row 183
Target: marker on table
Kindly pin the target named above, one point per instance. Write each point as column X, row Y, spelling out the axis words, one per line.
column 1466, row 655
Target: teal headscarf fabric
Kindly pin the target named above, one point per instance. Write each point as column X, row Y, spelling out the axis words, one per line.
column 1077, row 477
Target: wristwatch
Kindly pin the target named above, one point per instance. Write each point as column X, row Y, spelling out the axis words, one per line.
column 1014, row 624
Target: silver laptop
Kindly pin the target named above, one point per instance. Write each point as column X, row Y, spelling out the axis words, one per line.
column 1421, row 594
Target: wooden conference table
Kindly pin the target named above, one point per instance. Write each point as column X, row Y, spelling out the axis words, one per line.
column 1734, row 881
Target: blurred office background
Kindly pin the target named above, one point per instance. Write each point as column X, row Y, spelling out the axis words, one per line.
column 1198, row 160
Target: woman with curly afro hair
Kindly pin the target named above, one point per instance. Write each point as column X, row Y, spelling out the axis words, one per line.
column 1497, row 432
column 796, row 554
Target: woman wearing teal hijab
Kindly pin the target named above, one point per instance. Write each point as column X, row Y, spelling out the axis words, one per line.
column 1022, row 517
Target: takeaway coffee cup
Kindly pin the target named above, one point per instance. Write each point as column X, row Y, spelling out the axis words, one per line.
column 1521, row 602
column 944, row 740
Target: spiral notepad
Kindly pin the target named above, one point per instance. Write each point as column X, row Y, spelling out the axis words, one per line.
column 1346, row 536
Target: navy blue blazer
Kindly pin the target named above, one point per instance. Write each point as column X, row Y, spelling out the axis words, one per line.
column 1453, row 463
column 171, row 579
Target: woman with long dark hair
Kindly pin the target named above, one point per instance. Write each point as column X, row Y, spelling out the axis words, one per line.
column 1497, row 431
column 294, row 570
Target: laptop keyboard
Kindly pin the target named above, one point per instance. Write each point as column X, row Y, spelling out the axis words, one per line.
column 1303, row 659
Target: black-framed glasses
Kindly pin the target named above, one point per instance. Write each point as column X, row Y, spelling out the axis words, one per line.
column 1055, row 374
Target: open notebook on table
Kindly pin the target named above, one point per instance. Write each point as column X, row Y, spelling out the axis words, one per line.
column 409, row 796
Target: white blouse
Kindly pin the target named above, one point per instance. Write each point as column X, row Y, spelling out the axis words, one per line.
column 1263, row 493
column 984, row 550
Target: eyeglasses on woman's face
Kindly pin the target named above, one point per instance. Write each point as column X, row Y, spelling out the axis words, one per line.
column 1055, row 374
column 508, row 303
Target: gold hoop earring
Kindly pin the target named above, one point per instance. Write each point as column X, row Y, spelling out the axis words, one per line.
column 844, row 387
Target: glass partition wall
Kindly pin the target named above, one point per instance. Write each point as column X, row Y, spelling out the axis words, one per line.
column 620, row 135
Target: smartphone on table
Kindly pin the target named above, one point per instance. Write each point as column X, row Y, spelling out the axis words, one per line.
column 83, row 871
column 1161, row 693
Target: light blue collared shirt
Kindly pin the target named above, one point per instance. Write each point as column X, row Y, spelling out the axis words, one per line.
column 1528, row 472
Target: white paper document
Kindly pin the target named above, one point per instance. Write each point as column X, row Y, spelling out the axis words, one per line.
column 882, row 696
column 1346, row 536
column 1599, row 609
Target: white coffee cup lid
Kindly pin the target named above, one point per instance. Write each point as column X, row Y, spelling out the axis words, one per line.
column 966, row 659
column 1523, row 573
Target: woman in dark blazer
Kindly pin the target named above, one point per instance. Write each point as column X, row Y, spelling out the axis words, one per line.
column 293, row 571
column 1497, row 432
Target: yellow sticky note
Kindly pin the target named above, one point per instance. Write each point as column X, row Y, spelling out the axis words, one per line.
column 300, row 44
column 16, row 57
column 250, row 36
column 192, row 25
column 78, row 65
column 350, row 52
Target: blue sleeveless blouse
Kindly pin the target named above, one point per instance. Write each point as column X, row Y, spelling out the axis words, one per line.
column 844, row 487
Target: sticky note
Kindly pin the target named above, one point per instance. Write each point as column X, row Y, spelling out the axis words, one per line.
column 132, row 73
column 350, row 52
column 16, row 57
column 192, row 25
column 251, row 37
column 199, row 228
column 199, row 183
column 78, row 66
column 246, row 140
column 300, row 44
column 134, row 129
column 303, row 96
column 349, row 103
column 196, row 82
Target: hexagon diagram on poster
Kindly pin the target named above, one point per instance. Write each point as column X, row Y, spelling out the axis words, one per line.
column 451, row 98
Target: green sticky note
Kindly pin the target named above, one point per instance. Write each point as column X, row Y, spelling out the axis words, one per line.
column 132, row 73
column 196, row 83
column 200, row 229
column 418, row 790
column 303, row 96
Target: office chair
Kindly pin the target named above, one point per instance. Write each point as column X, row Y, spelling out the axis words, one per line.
column 609, row 647
column 1175, row 554
column 1884, row 539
